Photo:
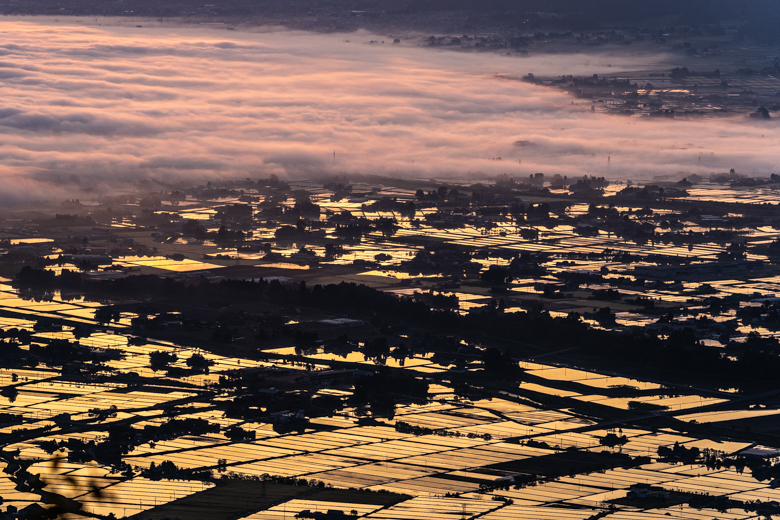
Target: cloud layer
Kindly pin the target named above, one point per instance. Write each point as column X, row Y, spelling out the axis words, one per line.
column 116, row 104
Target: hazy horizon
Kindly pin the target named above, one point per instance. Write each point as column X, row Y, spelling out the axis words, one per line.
column 120, row 104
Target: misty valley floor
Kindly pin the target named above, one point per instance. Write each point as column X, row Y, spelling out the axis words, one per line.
column 232, row 287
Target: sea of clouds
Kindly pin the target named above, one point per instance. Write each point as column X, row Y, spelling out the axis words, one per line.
column 86, row 105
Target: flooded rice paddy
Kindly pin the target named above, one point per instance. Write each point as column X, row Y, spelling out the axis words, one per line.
column 564, row 442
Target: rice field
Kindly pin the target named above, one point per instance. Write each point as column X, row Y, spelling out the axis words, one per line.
column 455, row 469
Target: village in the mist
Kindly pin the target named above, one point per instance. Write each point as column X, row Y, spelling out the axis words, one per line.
column 506, row 260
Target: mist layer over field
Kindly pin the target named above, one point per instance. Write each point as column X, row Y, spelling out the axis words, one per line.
column 94, row 105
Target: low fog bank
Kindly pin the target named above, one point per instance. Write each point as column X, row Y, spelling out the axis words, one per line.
column 98, row 107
